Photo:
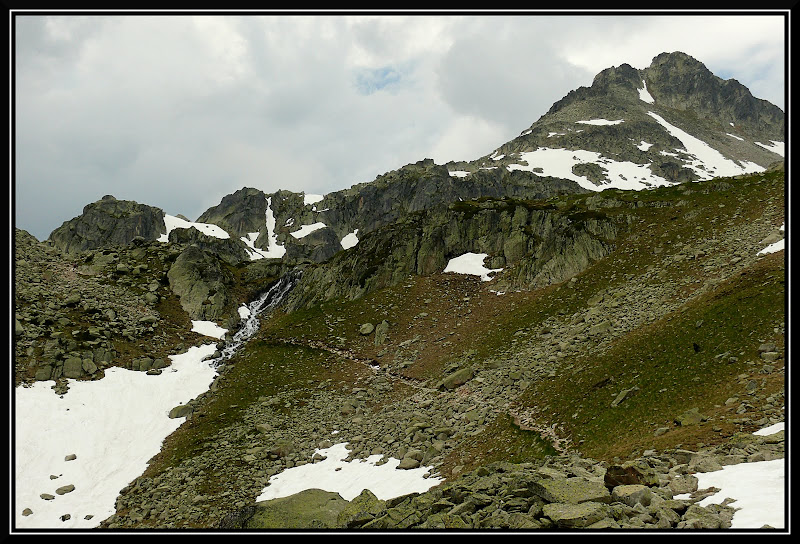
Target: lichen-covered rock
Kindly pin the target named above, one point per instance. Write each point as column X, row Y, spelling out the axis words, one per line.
column 575, row 516
column 202, row 283
column 361, row 510
column 309, row 509
column 571, row 490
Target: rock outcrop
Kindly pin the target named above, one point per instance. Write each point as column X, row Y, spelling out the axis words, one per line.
column 203, row 284
column 108, row 223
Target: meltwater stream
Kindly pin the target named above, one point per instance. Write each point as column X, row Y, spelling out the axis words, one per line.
column 266, row 302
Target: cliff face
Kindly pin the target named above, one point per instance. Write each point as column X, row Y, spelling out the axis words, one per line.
column 539, row 243
column 678, row 81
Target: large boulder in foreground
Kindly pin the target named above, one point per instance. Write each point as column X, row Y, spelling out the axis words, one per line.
column 309, row 509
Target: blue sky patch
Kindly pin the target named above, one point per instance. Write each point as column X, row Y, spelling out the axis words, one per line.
column 372, row 80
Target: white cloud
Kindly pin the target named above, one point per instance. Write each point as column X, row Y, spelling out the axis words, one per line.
column 177, row 111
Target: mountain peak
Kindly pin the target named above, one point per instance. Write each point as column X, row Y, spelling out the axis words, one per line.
column 623, row 76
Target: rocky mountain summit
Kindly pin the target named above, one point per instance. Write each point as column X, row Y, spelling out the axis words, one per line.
column 626, row 331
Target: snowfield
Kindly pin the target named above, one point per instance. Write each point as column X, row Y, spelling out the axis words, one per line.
column 775, row 147
column 558, row 163
column 472, row 264
column 707, row 162
column 113, row 426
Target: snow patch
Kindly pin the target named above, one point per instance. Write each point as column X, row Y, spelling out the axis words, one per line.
column 350, row 240
column 208, row 328
column 472, row 264
column 601, row 122
column 774, row 247
column 173, row 223
column 644, row 95
column 305, row 230
column 274, row 249
column 252, row 250
column 776, row 147
column 244, row 312
column 735, row 136
column 114, row 426
column 757, row 488
column 558, row 163
column 458, row 173
column 644, row 146
column 707, row 162
column 349, row 479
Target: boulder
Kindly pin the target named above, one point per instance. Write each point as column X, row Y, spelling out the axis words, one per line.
column 575, row 516
column 630, row 473
column 361, row 510
column 309, row 509
column 573, row 490
column 380, row 332
column 202, row 283
column 182, row 410
column 457, row 378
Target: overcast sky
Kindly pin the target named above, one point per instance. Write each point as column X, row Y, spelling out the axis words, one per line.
column 177, row 111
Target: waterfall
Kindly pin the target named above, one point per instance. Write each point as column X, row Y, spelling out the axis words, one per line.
column 266, row 302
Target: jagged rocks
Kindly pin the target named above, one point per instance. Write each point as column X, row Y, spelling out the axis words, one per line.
column 316, row 247
column 361, row 510
column 239, row 213
column 109, row 222
column 231, row 250
column 636, row 472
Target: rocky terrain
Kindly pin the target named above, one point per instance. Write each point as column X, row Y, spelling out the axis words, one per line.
column 627, row 339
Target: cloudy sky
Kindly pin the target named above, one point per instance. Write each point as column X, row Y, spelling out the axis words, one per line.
column 177, row 111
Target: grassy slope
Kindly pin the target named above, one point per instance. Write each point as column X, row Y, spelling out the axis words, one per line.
column 659, row 359
column 438, row 321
